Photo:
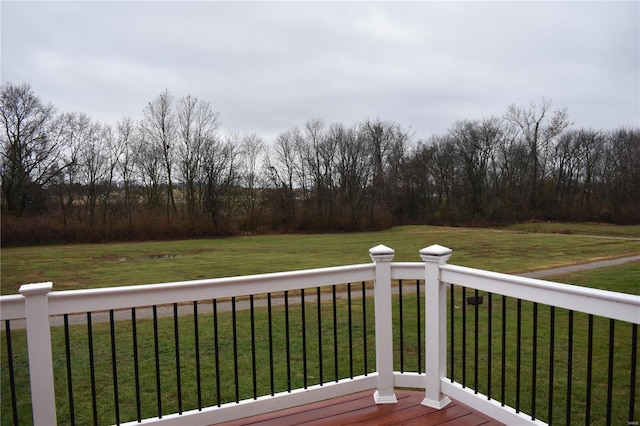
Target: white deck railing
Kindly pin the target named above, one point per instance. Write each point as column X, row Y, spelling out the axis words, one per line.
column 37, row 303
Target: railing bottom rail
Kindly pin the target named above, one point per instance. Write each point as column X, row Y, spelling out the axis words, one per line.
column 266, row 404
column 489, row 407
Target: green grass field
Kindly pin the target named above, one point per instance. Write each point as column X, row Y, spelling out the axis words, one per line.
column 108, row 265
column 98, row 265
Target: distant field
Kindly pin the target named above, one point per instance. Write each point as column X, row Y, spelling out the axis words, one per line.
column 513, row 249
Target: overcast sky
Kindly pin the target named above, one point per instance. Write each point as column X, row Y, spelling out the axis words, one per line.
column 267, row 67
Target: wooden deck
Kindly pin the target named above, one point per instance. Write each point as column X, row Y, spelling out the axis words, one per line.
column 359, row 409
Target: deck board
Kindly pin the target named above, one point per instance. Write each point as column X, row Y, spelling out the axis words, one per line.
column 360, row 409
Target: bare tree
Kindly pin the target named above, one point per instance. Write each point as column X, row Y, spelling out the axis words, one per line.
column 124, row 141
column 513, row 164
column 566, row 170
column 474, row 143
column 74, row 127
column 197, row 129
column 621, row 174
column 398, row 184
column 149, row 170
column 387, row 144
column 160, row 132
column 353, row 169
column 538, row 127
column 444, row 169
column 281, row 169
column 220, row 174
column 318, row 154
column 251, row 154
column 114, row 150
column 378, row 135
column 93, row 168
column 423, row 190
column 32, row 151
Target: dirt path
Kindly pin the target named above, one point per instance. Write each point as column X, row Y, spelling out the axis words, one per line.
column 580, row 267
column 310, row 297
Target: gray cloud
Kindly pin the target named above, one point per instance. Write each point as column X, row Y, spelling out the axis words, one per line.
column 270, row 66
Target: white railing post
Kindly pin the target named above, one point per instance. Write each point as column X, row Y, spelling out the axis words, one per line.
column 382, row 256
column 435, row 325
column 43, row 401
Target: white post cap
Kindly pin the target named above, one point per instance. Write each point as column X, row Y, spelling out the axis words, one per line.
column 435, row 250
column 381, row 253
column 36, row 288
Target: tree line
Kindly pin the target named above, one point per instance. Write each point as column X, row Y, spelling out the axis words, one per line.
column 175, row 174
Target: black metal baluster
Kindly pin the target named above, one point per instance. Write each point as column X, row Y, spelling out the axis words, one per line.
column 287, row 339
column 217, row 350
column 157, row 359
column 489, row 343
column 610, row 376
column 12, row 377
column 304, row 339
column 136, row 363
column 534, row 361
column 253, row 348
column 587, row 416
column 401, row 326
column 475, row 343
column 196, row 335
column 518, row 351
column 335, row 333
column 452, row 351
column 364, row 326
column 464, row 337
column 319, row 310
column 552, row 336
column 177, row 344
column 92, row 371
column 235, row 349
column 350, row 331
column 418, row 308
column 271, row 378
column 114, row 367
column 632, row 386
column 569, row 368
column 67, row 347
column 503, row 367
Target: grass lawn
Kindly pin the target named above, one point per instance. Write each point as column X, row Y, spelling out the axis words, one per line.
column 98, row 265
column 107, row 265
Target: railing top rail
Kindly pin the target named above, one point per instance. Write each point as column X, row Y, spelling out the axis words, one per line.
column 548, row 285
column 610, row 304
column 72, row 301
column 548, row 292
column 407, row 270
column 12, row 307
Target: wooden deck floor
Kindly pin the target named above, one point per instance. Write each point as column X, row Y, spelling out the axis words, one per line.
column 359, row 409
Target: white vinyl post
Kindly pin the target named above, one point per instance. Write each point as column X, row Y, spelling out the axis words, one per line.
column 435, row 325
column 43, row 400
column 382, row 256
